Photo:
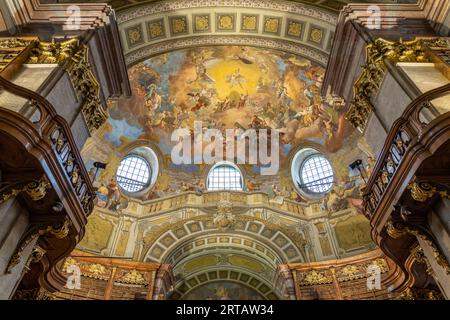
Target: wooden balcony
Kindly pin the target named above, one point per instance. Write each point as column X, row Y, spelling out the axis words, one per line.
column 405, row 186
column 42, row 169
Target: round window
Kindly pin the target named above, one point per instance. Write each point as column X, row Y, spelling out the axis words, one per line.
column 134, row 174
column 316, row 174
column 312, row 173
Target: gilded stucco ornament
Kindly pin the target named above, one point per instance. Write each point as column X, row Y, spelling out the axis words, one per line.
column 59, row 230
column 315, row 277
column 87, row 88
column 14, row 43
column 422, row 190
column 398, row 229
column 37, row 254
column 351, row 272
column 224, row 218
column 96, row 271
column 36, row 190
column 53, row 52
column 133, row 277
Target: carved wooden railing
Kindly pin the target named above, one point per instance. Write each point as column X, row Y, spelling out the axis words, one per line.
column 54, row 128
column 404, row 132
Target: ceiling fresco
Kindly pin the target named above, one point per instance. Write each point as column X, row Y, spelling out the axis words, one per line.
column 175, row 221
column 228, row 87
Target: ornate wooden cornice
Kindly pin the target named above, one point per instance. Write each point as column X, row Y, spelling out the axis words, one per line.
column 368, row 84
column 34, row 12
column 353, row 35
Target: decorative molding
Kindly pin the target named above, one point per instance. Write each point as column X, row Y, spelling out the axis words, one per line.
column 270, row 43
column 186, row 20
column 368, row 84
column 87, row 88
column 282, row 6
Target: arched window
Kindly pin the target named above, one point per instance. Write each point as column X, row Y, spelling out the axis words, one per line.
column 134, row 173
column 312, row 173
column 224, row 176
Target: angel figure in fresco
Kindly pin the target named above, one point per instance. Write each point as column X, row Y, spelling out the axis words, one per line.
column 342, row 197
column 244, row 57
column 109, row 196
column 306, row 116
column 329, row 116
column 257, row 123
column 152, row 98
column 159, row 119
column 202, row 60
column 242, row 101
column 282, row 94
column 235, row 79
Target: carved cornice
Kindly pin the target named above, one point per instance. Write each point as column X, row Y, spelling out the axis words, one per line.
column 146, row 52
column 33, row 12
column 368, row 84
column 283, row 6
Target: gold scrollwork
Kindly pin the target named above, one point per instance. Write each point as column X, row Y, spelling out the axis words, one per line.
column 397, row 229
column 422, row 190
column 36, row 190
column 420, row 294
column 419, row 256
column 53, row 52
column 133, row 277
column 14, row 43
column 87, row 87
column 59, row 230
column 314, row 277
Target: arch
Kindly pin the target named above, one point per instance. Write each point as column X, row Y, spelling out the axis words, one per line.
column 270, row 238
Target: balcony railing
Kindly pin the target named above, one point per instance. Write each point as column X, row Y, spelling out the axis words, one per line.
column 212, row 198
column 54, row 128
column 419, row 117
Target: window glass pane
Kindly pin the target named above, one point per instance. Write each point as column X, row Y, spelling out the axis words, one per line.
column 224, row 177
column 133, row 174
column 316, row 174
